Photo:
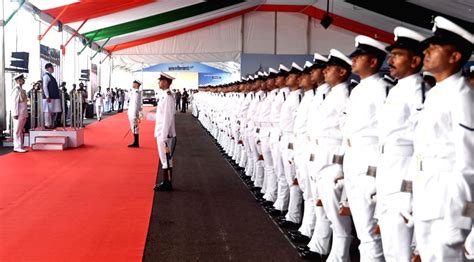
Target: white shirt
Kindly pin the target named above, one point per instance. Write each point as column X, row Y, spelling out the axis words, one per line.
column 288, row 111
column 20, row 100
column 134, row 104
column 445, row 133
column 399, row 114
column 330, row 114
column 365, row 101
column 302, row 114
column 266, row 107
column 321, row 94
column 165, row 110
column 99, row 98
column 277, row 104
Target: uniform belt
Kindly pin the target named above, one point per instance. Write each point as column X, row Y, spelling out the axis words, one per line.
column 396, row 150
column 362, row 141
column 266, row 124
column 328, row 141
column 338, row 159
column 434, row 164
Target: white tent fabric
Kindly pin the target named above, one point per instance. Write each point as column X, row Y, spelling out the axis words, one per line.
column 132, row 14
column 180, row 24
column 220, row 42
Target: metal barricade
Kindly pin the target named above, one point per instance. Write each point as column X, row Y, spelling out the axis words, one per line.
column 63, row 108
column 36, row 104
column 76, row 110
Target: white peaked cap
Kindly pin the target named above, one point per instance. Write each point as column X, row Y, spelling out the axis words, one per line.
column 320, row 57
column 400, row 31
column 443, row 23
column 338, row 54
column 365, row 40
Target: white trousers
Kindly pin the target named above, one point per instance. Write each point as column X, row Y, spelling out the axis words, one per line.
column 99, row 109
column 356, row 161
column 281, row 202
column 162, row 144
column 270, row 179
column 396, row 235
column 295, row 195
column 301, row 157
column 317, row 158
column 133, row 125
column 18, row 126
column 429, row 239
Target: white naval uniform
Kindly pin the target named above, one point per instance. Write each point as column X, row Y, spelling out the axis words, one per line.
column 360, row 132
column 326, row 136
column 165, row 126
column 99, row 104
column 249, row 136
column 270, row 179
column 20, row 109
column 281, row 202
column 134, row 109
column 396, row 126
column 301, row 147
column 287, row 121
column 444, row 170
column 243, row 123
column 256, row 143
column 320, row 231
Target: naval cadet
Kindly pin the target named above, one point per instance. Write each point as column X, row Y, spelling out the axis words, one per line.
column 396, row 124
column 165, row 131
column 443, row 180
column 19, row 113
column 134, row 112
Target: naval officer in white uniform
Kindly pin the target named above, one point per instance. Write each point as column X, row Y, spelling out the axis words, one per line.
column 165, row 131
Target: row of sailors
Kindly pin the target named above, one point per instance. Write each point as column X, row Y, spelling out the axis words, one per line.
column 399, row 160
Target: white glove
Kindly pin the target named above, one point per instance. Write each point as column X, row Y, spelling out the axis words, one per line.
column 368, row 187
column 469, row 246
column 408, row 218
column 452, row 236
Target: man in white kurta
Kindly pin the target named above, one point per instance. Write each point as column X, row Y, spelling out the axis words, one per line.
column 51, row 97
column 99, row 103
column 134, row 111
column 165, row 131
column 19, row 113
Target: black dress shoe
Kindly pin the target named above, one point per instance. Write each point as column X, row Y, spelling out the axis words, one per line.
column 309, row 255
column 275, row 212
column 164, row 186
column 302, row 248
column 287, row 224
column 299, row 238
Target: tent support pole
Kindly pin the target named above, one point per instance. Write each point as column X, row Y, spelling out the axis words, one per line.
column 100, row 48
column 63, row 47
column 40, row 37
column 14, row 13
column 88, row 43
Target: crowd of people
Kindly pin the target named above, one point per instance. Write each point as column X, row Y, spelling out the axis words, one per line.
column 53, row 104
column 394, row 161
column 182, row 100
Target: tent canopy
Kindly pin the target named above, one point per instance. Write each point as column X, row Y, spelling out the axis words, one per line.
column 149, row 32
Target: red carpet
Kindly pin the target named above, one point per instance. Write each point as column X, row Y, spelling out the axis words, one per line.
column 87, row 204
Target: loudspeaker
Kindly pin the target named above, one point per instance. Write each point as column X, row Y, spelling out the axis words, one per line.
column 326, row 21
